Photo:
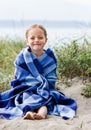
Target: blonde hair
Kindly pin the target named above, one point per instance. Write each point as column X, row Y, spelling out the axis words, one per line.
column 36, row 26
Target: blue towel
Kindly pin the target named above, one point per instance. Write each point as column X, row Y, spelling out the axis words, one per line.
column 34, row 86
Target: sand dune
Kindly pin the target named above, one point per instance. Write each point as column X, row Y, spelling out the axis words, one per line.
column 82, row 121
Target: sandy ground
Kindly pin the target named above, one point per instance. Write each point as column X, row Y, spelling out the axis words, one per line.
column 82, row 121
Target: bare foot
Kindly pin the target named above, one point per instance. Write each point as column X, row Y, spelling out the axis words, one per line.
column 42, row 113
column 39, row 117
column 29, row 115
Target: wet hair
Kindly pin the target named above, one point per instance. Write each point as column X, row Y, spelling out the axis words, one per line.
column 36, row 26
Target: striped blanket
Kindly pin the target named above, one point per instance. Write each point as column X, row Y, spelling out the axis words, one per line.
column 34, row 86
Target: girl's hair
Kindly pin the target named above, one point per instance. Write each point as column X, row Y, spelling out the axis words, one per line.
column 35, row 26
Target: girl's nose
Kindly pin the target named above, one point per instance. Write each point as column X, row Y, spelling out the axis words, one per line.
column 36, row 39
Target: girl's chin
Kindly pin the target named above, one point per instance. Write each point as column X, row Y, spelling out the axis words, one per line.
column 36, row 48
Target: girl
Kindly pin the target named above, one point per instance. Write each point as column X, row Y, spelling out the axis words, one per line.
column 33, row 94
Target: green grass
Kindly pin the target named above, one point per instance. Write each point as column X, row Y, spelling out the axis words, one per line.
column 87, row 91
column 74, row 59
column 8, row 51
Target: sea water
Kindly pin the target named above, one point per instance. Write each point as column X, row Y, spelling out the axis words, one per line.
column 53, row 33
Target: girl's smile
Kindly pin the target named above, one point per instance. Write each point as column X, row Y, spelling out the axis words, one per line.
column 36, row 40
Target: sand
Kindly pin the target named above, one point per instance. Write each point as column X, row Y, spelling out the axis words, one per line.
column 82, row 121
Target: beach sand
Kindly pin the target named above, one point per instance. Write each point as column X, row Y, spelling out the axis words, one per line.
column 82, row 121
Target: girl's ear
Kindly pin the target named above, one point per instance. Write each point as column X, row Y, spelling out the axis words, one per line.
column 46, row 39
column 26, row 42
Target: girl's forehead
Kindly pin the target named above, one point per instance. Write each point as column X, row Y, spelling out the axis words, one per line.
column 36, row 30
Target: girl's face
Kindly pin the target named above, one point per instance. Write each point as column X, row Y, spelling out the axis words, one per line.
column 36, row 39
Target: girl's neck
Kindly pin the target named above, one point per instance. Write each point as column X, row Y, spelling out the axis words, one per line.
column 38, row 53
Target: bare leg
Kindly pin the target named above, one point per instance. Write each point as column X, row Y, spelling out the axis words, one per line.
column 29, row 115
column 42, row 113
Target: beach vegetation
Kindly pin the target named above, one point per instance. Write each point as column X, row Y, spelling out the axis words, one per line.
column 74, row 59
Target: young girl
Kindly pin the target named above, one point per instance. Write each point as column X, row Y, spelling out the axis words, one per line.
column 33, row 94
column 36, row 38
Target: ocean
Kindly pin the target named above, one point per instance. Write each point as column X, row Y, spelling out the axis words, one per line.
column 55, row 31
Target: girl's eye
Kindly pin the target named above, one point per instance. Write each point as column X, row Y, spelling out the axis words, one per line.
column 40, row 37
column 32, row 38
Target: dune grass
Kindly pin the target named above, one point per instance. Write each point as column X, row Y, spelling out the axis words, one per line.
column 74, row 59
column 8, row 51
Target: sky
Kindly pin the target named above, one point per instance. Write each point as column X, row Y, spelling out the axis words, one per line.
column 79, row 10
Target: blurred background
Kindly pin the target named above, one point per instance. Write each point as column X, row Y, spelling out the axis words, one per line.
column 62, row 18
column 68, row 23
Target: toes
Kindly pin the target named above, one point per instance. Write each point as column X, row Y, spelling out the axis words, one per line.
column 26, row 116
column 29, row 115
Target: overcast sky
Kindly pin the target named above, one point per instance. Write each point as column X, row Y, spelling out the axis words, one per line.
column 46, row 10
